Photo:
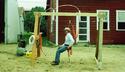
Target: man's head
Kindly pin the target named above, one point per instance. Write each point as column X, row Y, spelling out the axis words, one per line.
column 67, row 29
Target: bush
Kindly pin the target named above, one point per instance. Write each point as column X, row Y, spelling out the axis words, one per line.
column 26, row 36
column 29, row 20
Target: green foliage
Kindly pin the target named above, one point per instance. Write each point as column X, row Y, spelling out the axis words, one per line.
column 47, row 43
column 26, row 36
column 29, row 20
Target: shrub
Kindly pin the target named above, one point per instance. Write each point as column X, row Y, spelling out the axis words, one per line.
column 29, row 20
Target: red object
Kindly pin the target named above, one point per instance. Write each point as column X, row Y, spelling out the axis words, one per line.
column 40, row 45
column 69, row 51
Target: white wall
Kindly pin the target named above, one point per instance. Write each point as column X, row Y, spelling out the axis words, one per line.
column 12, row 27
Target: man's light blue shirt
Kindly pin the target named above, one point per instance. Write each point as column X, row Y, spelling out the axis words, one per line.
column 69, row 39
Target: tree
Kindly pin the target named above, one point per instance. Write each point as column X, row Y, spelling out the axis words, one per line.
column 29, row 20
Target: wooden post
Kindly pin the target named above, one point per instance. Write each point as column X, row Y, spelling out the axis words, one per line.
column 36, row 34
column 100, row 40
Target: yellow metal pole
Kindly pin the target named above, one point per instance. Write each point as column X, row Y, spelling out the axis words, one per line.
column 68, row 14
column 100, row 39
column 36, row 34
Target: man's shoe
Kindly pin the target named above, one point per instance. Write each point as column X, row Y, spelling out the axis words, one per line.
column 54, row 63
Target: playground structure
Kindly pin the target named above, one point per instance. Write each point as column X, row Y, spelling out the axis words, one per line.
column 36, row 48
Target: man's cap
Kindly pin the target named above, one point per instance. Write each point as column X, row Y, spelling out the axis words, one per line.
column 67, row 29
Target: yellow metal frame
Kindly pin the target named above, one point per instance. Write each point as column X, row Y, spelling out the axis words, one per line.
column 68, row 14
column 99, row 37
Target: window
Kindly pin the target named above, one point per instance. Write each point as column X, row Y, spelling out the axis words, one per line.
column 120, row 20
column 105, row 21
column 83, row 26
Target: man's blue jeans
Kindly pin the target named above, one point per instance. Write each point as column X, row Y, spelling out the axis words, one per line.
column 59, row 51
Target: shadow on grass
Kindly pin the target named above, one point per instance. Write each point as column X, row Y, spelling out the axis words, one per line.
column 9, row 53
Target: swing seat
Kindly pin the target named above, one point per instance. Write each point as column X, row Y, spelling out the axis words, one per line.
column 69, row 51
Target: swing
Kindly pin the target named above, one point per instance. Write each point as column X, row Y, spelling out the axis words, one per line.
column 75, row 35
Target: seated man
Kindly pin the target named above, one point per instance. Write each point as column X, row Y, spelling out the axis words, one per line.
column 69, row 41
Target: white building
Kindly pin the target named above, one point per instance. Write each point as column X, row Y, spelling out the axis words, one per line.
column 12, row 25
column 13, row 18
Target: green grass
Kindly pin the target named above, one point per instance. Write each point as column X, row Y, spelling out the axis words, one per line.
column 46, row 42
column 82, row 60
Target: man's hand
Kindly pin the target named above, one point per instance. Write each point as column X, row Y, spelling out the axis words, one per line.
column 69, row 47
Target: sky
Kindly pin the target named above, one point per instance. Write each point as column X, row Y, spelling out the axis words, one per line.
column 28, row 4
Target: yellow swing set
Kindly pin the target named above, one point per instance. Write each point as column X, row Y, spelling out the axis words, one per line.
column 35, row 48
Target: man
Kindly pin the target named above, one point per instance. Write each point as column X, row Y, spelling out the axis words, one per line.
column 69, row 41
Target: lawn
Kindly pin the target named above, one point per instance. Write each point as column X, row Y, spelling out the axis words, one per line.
column 82, row 60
